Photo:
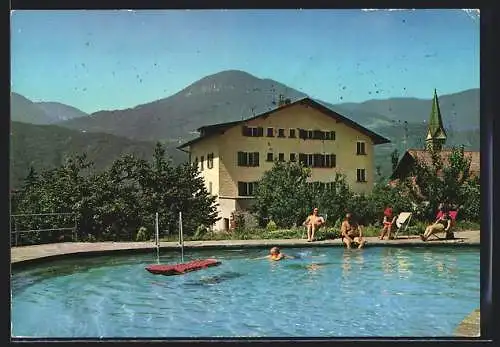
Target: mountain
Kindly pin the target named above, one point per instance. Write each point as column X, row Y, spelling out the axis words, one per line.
column 46, row 146
column 59, row 112
column 24, row 110
column 233, row 95
column 222, row 97
column 460, row 111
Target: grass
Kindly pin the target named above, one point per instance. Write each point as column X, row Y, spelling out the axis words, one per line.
column 328, row 233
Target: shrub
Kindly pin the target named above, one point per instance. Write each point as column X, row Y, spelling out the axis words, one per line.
column 143, row 234
column 200, row 232
column 271, row 226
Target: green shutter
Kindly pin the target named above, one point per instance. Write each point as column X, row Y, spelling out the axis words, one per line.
column 241, row 188
column 240, row 158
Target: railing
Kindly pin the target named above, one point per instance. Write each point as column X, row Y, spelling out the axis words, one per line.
column 15, row 221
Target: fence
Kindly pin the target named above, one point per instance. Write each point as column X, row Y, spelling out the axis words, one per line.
column 22, row 224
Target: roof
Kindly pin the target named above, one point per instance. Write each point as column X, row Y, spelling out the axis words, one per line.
column 209, row 130
column 425, row 156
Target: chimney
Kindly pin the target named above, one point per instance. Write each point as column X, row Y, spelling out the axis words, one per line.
column 281, row 101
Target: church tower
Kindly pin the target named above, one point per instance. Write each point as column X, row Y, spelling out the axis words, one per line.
column 436, row 135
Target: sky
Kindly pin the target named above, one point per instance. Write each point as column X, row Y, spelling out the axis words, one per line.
column 104, row 60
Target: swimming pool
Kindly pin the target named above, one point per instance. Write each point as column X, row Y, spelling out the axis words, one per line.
column 376, row 291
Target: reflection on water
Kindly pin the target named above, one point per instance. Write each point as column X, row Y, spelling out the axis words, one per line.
column 352, row 259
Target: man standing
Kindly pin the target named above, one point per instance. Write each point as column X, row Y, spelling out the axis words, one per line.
column 313, row 223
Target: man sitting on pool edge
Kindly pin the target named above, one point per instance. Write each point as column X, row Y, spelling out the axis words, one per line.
column 351, row 232
column 313, row 223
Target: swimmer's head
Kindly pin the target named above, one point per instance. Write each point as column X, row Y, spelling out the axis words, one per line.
column 315, row 211
column 274, row 251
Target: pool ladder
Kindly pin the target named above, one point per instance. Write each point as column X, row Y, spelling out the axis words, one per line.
column 181, row 237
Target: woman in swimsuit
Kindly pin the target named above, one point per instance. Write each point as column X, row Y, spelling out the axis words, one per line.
column 351, row 232
column 389, row 220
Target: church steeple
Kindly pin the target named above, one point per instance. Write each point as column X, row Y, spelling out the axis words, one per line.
column 436, row 135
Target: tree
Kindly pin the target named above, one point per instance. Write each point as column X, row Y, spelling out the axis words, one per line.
column 331, row 198
column 394, row 159
column 281, row 193
column 445, row 179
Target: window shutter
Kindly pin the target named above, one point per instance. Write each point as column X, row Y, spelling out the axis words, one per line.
column 332, row 135
column 302, row 134
column 241, row 188
column 245, row 130
column 240, row 158
column 260, row 131
column 256, row 159
column 302, row 158
column 333, row 160
column 316, row 160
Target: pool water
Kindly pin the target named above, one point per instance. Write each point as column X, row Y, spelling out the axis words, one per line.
column 372, row 292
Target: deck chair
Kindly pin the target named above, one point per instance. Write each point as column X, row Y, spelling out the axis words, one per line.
column 453, row 216
column 402, row 223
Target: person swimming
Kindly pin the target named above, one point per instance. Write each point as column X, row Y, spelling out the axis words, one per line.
column 276, row 255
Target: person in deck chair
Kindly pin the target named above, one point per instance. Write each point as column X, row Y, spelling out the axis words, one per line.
column 442, row 224
column 313, row 223
column 351, row 232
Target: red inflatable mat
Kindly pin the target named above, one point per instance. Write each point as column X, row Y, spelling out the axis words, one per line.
column 179, row 269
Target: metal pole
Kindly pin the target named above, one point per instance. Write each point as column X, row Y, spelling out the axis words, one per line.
column 157, row 239
column 181, row 237
column 75, row 236
column 15, row 227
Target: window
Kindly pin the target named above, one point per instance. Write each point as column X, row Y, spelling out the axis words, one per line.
column 202, row 160
column 247, row 188
column 318, row 160
column 210, row 161
column 270, row 132
column 269, row 157
column 252, row 131
column 309, row 160
column 248, row 158
column 281, row 157
column 293, row 157
column 329, row 135
column 292, row 133
column 281, row 132
column 195, row 162
column 210, row 187
column 330, row 160
column 316, row 134
column 360, row 148
column 361, row 177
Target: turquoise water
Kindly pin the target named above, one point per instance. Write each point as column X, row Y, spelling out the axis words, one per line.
column 372, row 292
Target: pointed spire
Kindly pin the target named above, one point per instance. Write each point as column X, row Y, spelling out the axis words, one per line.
column 436, row 135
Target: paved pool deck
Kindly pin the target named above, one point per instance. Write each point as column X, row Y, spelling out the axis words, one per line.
column 36, row 253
